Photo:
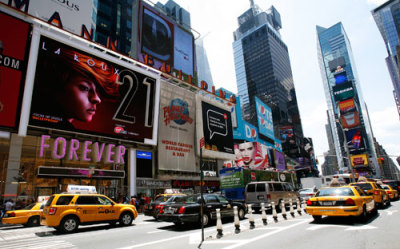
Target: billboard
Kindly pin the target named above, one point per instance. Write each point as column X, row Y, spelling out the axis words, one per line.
column 343, row 91
column 214, row 124
column 279, row 160
column 252, row 155
column 76, row 91
column 264, row 119
column 359, row 160
column 286, row 133
column 69, row 15
column 348, row 114
column 14, row 46
column 355, row 141
column 163, row 44
column 176, row 129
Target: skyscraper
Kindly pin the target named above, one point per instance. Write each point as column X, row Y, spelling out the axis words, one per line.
column 203, row 67
column 387, row 18
column 263, row 70
column 347, row 111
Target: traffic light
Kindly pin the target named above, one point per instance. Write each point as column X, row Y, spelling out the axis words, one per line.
column 382, row 160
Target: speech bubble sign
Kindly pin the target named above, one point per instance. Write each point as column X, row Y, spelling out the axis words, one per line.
column 217, row 123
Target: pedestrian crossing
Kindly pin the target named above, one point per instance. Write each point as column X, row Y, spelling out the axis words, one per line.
column 36, row 243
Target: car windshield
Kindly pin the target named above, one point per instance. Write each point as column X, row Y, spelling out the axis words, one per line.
column 187, row 199
column 310, row 190
column 364, row 186
column 385, row 186
column 335, row 192
column 29, row 207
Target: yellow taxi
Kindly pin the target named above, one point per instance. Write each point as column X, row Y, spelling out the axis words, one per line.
column 65, row 212
column 340, row 201
column 28, row 216
column 393, row 193
column 381, row 198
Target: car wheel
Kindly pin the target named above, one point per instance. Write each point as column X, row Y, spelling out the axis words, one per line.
column 317, row 218
column 364, row 216
column 125, row 219
column 69, row 224
column 241, row 213
column 33, row 221
column 206, row 219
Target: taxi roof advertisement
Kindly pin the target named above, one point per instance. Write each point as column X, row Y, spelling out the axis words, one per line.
column 77, row 91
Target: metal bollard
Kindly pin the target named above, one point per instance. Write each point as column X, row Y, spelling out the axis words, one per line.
column 263, row 214
column 274, row 214
column 251, row 218
column 219, row 224
column 283, row 208
column 298, row 207
column 236, row 219
column 291, row 208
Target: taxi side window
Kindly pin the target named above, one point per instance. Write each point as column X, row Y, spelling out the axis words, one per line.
column 64, row 200
column 103, row 201
column 87, row 200
column 360, row 191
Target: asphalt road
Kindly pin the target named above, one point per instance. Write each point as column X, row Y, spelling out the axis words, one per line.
column 381, row 231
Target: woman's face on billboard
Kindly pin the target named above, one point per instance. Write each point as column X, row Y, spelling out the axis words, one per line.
column 246, row 150
column 80, row 98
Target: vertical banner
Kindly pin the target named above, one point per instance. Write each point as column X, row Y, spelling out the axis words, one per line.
column 264, row 119
column 176, row 129
column 14, row 41
column 214, row 123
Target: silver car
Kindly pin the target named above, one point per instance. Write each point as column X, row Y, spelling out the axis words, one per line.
column 307, row 193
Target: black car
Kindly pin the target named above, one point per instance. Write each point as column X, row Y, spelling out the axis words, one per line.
column 186, row 209
column 154, row 207
column 393, row 183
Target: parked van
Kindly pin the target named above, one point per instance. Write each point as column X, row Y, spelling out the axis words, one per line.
column 270, row 191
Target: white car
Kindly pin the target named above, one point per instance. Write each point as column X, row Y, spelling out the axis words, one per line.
column 307, row 193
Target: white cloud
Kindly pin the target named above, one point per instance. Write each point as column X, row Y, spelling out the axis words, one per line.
column 376, row 2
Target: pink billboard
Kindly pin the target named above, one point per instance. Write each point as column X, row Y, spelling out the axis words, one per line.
column 252, row 155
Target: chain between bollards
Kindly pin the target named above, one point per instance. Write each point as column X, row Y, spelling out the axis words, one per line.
column 251, row 218
column 236, row 219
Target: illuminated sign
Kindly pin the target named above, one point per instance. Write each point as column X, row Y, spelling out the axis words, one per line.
column 264, row 119
column 144, row 155
column 359, row 160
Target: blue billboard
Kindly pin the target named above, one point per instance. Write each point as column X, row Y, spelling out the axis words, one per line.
column 264, row 119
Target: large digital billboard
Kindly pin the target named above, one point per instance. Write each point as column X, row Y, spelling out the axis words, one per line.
column 69, row 15
column 176, row 129
column 349, row 114
column 76, row 91
column 355, row 141
column 14, row 46
column 214, row 125
column 264, row 119
column 163, row 44
column 343, row 91
column 252, row 155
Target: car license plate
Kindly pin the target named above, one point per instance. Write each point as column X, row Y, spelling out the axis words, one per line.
column 169, row 211
column 327, row 203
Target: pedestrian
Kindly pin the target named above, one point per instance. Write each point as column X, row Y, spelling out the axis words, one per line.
column 133, row 200
column 9, row 205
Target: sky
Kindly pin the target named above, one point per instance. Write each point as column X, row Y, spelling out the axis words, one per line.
column 217, row 19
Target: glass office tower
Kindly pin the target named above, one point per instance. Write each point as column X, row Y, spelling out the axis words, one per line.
column 347, row 112
column 263, row 70
column 387, row 18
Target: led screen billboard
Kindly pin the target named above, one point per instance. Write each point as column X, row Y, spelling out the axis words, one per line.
column 252, row 155
column 214, row 125
column 359, row 160
column 76, row 91
column 14, row 46
column 279, row 160
column 343, row 91
column 163, row 44
column 264, row 119
column 355, row 141
column 176, row 129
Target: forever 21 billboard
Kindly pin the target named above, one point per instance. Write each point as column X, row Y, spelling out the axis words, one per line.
column 77, row 91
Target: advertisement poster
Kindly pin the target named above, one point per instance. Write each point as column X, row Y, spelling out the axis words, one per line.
column 232, row 183
column 70, row 15
column 286, row 132
column 264, row 119
column 163, row 44
column 252, row 155
column 279, row 160
column 343, row 91
column 359, row 160
column 176, row 125
column 214, row 124
column 355, row 141
column 349, row 114
column 14, row 46
column 76, row 91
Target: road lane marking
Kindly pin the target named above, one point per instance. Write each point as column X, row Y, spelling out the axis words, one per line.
column 365, row 227
column 244, row 242
column 316, row 227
